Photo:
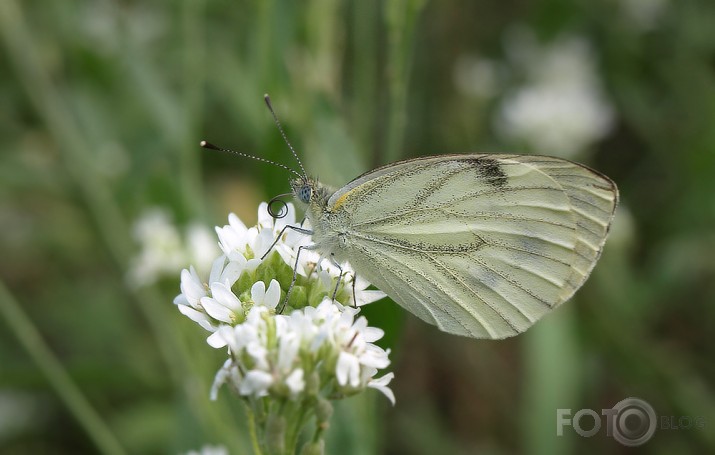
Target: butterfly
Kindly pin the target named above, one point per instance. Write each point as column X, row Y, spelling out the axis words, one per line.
column 479, row 245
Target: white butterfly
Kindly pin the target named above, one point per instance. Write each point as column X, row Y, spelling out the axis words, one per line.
column 478, row 245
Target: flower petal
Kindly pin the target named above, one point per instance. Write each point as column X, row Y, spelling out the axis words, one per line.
column 347, row 370
column 217, row 340
column 368, row 296
column 197, row 316
column 233, row 271
column 236, row 224
column 223, row 294
column 258, row 292
column 381, row 385
column 273, row 294
column 216, row 268
column 216, row 310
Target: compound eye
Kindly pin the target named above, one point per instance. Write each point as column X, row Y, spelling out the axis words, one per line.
column 305, row 193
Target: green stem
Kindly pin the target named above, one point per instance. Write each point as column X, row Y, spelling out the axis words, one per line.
column 252, row 430
column 304, row 412
column 401, row 17
column 189, row 163
column 59, row 379
column 551, row 368
column 319, row 431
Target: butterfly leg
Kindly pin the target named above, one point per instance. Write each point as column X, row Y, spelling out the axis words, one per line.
column 295, row 228
column 354, row 295
column 292, row 281
column 340, row 277
column 295, row 274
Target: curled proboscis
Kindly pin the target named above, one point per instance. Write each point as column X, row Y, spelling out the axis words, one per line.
column 282, row 209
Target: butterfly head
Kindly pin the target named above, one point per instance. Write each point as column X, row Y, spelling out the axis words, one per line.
column 310, row 192
column 302, row 189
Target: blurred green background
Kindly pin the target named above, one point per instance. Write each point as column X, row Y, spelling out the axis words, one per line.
column 103, row 104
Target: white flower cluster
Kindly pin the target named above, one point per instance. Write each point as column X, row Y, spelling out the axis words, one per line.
column 317, row 346
column 561, row 109
column 318, row 349
column 164, row 250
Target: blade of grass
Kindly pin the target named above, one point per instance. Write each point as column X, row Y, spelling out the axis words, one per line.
column 365, row 45
column 194, row 77
column 400, row 18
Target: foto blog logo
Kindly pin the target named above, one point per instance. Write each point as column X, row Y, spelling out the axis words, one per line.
column 631, row 422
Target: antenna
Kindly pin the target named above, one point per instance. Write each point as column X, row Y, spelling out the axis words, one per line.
column 285, row 138
column 208, row 145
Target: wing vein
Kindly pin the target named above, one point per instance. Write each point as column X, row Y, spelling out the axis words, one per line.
column 476, row 294
column 515, row 283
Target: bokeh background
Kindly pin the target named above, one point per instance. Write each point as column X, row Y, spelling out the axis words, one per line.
column 105, row 196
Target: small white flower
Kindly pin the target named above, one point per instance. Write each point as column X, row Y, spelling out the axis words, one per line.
column 192, row 289
column 256, row 383
column 189, row 301
column 295, row 381
column 235, row 236
column 267, row 298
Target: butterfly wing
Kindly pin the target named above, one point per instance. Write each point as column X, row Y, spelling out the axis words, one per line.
column 478, row 245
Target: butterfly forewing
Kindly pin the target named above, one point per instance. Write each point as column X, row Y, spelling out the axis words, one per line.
column 479, row 245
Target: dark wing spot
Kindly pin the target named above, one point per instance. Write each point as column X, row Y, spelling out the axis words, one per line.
column 491, row 171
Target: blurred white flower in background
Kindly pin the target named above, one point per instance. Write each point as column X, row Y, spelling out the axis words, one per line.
column 209, row 450
column 164, row 251
column 644, row 14
column 561, row 109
